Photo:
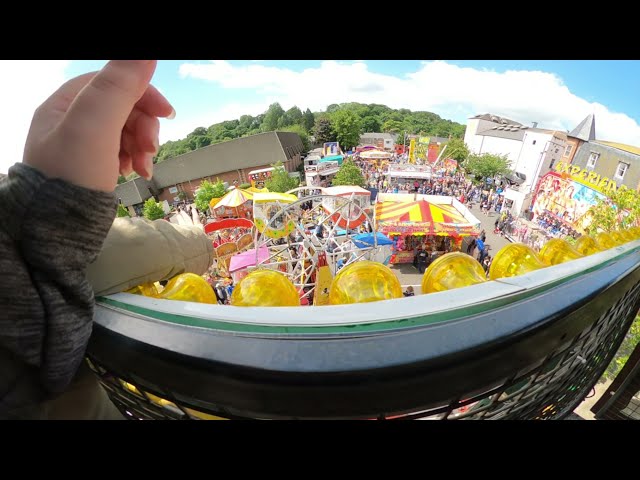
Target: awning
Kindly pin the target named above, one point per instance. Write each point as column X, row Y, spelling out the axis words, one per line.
column 332, row 158
column 423, row 217
column 248, row 259
column 375, row 154
column 234, row 198
column 365, row 240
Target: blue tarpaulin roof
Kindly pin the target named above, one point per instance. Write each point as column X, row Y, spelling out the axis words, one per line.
column 365, row 240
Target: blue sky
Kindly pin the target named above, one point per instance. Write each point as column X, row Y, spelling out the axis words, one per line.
column 557, row 94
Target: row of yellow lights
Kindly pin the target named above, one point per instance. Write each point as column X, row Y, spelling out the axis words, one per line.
column 456, row 270
column 367, row 281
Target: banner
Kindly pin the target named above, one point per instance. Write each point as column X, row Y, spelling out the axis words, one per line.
column 412, row 151
column 331, row 148
column 432, row 153
column 450, row 166
column 588, row 178
column 566, row 199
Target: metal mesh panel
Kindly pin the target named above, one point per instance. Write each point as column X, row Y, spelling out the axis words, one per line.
column 551, row 390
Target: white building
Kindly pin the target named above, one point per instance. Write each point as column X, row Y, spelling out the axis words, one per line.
column 532, row 151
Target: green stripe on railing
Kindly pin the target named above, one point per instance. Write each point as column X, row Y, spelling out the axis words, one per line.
column 431, row 318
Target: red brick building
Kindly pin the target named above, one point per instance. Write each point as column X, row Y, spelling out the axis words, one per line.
column 229, row 161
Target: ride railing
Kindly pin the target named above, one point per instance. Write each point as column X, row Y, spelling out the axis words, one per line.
column 527, row 347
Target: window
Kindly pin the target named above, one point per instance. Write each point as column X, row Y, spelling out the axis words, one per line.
column 593, row 158
column 622, row 169
column 567, row 151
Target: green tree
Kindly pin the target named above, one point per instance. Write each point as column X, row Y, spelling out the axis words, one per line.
column 619, row 210
column 280, row 181
column 457, row 149
column 334, row 107
column 487, row 165
column 271, row 117
column 122, row 211
column 293, row 116
column 323, row 130
column 206, row 191
column 349, row 174
column 370, row 125
column 308, row 120
column 346, row 126
column 152, row 210
column 121, row 179
column 392, row 126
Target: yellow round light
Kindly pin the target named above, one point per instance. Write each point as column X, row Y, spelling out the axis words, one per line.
column 453, row 270
column 586, row 245
column 362, row 282
column 189, row 287
column 513, row 260
column 147, row 289
column 557, row 251
column 605, row 241
column 618, row 237
column 265, row 288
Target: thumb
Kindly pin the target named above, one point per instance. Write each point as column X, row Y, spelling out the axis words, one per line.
column 106, row 102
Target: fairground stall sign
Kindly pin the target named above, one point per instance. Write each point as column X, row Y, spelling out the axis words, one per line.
column 589, row 178
column 566, row 199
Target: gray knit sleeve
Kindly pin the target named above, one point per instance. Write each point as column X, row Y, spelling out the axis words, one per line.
column 49, row 233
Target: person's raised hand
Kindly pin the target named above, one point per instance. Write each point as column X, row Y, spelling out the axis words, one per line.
column 99, row 125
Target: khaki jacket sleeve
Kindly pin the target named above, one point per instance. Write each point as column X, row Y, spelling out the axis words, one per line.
column 138, row 251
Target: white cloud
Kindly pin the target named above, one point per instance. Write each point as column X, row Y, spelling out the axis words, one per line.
column 452, row 92
column 24, row 85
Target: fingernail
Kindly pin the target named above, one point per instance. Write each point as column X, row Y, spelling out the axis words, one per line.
column 148, row 166
column 172, row 115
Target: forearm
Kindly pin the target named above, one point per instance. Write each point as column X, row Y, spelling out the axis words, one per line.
column 56, row 229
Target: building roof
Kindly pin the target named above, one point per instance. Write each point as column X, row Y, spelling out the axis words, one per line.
column 620, row 146
column 496, row 119
column 134, row 191
column 586, row 129
column 247, row 152
column 388, row 136
column 253, row 151
column 511, row 133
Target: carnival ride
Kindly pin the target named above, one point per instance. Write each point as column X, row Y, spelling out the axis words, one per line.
column 229, row 236
column 301, row 233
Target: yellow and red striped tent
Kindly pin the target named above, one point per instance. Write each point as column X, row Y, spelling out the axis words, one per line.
column 421, row 217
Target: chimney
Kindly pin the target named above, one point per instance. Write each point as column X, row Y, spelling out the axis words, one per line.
column 535, row 124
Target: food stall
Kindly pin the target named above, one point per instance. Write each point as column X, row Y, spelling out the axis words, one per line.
column 429, row 221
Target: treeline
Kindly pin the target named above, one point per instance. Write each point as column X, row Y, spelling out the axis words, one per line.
column 340, row 122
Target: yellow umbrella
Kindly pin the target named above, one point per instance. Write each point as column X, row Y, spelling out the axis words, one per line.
column 234, row 198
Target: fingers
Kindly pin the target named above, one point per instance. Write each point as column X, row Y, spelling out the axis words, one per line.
column 140, row 141
column 146, row 133
column 155, row 104
column 104, row 104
